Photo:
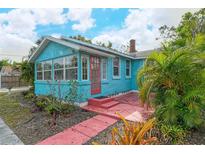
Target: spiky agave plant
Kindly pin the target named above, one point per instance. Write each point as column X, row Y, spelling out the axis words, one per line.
column 178, row 81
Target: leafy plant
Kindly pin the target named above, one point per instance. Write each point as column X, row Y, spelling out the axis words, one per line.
column 29, row 95
column 72, row 95
column 27, row 72
column 67, row 108
column 173, row 134
column 179, row 96
column 134, row 133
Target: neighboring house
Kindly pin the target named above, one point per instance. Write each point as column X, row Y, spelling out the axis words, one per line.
column 10, row 77
column 99, row 71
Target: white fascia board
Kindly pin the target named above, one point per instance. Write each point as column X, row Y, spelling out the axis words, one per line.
column 43, row 43
column 96, row 52
column 81, row 48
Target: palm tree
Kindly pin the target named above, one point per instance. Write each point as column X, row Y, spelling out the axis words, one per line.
column 178, row 81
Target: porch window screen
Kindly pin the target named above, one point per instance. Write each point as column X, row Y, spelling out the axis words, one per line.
column 84, row 67
column 104, row 69
column 71, row 68
column 39, row 71
column 128, row 65
column 59, row 69
column 47, row 70
column 116, row 67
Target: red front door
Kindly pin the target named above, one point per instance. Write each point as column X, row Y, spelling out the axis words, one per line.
column 95, row 76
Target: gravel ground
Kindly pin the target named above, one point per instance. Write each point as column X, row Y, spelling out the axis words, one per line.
column 31, row 125
column 105, row 136
column 195, row 137
column 39, row 126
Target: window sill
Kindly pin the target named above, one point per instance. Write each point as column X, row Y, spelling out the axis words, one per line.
column 116, row 78
column 52, row 82
column 128, row 77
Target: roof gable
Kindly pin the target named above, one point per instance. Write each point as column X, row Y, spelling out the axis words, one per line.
column 87, row 47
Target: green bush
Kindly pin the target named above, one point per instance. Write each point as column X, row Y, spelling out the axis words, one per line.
column 51, row 104
column 29, row 95
column 179, row 96
column 53, row 108
column 41, row 105
column 172, row 134
column 67, row 108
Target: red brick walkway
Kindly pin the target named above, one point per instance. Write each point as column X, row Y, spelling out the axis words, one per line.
column 127, row 105
column 81, row 132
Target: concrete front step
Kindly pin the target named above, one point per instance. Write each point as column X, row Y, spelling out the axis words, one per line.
column 101, row 111
column 108, row 105
column 98, row 102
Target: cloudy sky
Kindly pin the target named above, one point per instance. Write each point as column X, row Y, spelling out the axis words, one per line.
column 19, row 28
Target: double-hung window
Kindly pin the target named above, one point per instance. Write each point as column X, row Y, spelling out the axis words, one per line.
column 128, row 68
column 104, row 68
column 39, row 71
column 116, row 67
column 84, row 61
column 47, row 70
column 58, row 69
column 71, row 68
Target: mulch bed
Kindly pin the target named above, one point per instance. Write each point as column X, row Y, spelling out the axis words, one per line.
column 105, row 136
column 38, row 125
column 195, row 137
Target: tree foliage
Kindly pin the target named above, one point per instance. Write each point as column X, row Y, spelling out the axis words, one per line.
column 84, row 39
column 176, row 75
column 27, row 71
column 4, row 62
column 178, row 81
column 190, row 32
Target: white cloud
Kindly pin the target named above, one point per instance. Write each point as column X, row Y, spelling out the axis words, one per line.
column 135, row 27
column 83, row 17
column 56, row 35
column 17, row 29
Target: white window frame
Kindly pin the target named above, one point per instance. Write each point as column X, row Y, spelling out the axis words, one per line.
column 57, row 69
column 129, row 76
column 87, row 58
column 102, row 67
column 65, row 68
column 47, row 70
column 39, row 71
column 114, row 76
column 70, row 67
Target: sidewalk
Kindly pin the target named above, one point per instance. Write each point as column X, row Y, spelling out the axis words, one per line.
column 7, row 136
column 3, row 90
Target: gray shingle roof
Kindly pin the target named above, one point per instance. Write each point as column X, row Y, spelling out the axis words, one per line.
column 73, row 42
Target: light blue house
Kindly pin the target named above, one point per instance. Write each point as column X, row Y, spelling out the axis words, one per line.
column 99, row 71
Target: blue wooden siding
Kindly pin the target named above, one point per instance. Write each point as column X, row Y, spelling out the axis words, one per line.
column 108, row 87
column 136, row 65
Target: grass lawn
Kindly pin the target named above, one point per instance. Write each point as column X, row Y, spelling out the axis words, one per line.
column 11, row 111
column 33, row 126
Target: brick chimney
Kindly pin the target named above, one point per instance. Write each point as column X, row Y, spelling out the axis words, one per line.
column 132, row 46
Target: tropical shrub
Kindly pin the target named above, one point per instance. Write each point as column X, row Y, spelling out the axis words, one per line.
column 178, row 80
column 172, row 134
column 27, row 70
column 134, row 133
column 72, row 95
